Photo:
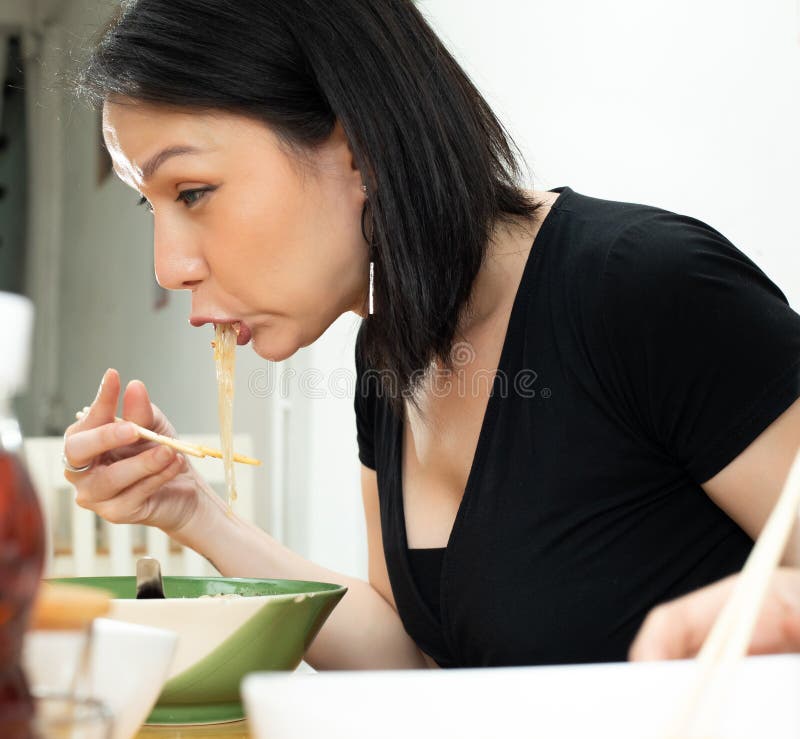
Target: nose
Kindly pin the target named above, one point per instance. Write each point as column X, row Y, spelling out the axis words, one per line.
column 179, row 263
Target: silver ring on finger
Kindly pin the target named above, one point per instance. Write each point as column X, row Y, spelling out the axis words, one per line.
column 70, row 468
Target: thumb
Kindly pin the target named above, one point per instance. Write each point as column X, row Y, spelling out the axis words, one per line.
column 136, row 405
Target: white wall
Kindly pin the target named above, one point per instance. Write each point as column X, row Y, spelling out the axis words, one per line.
column 333, row 528
column 690, row 106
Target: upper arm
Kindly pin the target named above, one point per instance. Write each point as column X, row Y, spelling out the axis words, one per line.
column 749, row 486
column 365, row 409
column 703, row 348
column 378, row 574
column 705, row 360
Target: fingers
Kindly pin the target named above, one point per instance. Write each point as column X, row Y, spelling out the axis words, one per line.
column 119, row 492
column 136, row 405
column 791, row 632
column 108, row 482
column 82, row 446
column 677, row 629
column 663, row 635
column 130, row 506
column 101, row 412
column 786, row 582
column 104, row 407
column 778, row 627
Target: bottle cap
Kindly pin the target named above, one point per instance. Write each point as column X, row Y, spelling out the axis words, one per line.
column 16, row 328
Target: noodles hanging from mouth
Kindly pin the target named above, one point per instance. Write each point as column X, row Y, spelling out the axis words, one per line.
column 225, row 360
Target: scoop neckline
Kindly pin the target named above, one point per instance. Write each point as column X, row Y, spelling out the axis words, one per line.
column 487, row 424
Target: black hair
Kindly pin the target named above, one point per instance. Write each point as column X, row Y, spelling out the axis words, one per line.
column 440, row 168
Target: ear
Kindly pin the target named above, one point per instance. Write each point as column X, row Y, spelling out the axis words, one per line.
column 338, row 146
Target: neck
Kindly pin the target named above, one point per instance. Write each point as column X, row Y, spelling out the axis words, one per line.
column 495, row 284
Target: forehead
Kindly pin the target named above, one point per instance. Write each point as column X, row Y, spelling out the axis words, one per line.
column 135, row 131
column 134, row 125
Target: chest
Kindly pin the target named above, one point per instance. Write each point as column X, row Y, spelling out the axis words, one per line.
column 568, row 531
column 440, row 439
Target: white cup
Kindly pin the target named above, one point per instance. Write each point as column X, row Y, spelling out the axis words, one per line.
column 128, row 667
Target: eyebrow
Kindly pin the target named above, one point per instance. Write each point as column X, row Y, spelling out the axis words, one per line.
column 151, row 165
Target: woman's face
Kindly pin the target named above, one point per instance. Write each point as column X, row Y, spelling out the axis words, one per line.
column 257, row 235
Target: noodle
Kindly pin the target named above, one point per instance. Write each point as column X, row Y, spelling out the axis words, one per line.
column 225, row 361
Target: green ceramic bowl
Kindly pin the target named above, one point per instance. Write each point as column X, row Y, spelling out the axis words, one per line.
column 222, row 639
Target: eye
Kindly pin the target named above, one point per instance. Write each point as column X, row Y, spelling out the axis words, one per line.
column 144, row 201
column 192, row 197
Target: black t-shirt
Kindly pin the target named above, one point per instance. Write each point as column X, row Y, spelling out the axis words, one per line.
column 644, row 352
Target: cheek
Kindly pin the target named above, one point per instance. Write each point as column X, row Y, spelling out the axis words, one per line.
column 259, row 240
column 283, row 244
column 284, row 241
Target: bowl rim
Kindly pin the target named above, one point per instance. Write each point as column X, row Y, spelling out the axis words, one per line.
column 316, row 587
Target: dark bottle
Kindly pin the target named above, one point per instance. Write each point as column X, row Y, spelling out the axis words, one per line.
column 21, row 525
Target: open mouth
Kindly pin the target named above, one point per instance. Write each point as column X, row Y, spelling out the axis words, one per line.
column 243, row 332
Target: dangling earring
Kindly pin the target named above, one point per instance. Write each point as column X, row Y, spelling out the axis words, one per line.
column 371, row 288
column 368, row 239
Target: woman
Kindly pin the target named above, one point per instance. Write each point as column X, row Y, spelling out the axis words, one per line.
column 304, row 159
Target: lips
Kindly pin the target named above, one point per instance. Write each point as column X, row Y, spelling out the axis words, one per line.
column 243, row 331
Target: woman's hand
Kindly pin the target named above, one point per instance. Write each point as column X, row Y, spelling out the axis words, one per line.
column 131, row 480
column 677, row 629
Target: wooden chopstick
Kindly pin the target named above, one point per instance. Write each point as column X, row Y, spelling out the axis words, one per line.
column 732, row 632
column 193, row 450
column 209, row 452
column 144, row 433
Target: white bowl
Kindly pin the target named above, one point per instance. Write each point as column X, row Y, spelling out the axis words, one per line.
column 129, row 666
column 202, row 625
column 608, row 701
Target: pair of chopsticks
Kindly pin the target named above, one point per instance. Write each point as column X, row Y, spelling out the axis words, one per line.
column 732, row 632
column 194, row 450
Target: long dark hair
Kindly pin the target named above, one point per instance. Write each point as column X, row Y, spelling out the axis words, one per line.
column 440, row 168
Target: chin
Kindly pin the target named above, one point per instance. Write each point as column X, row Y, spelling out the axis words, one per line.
column 274, row 348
